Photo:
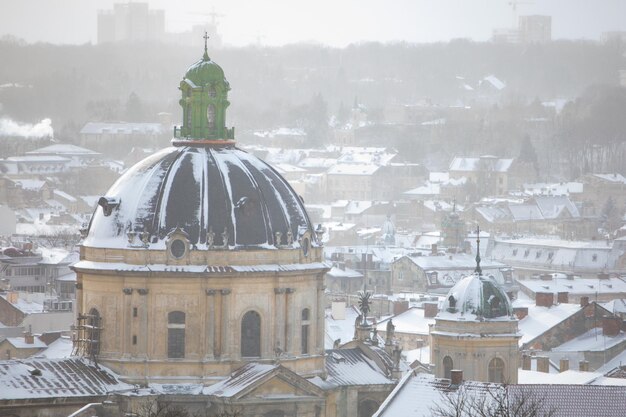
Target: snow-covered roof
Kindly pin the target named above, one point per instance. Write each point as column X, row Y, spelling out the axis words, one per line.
column 591, row 341
column 20, row 343
column 37, row 159
column 454, row 261
column 97, row 128
column 64, row 195
column 29, row 184
column 427, row 189
column 339, row 329
column 241, row 379
column 494, row 81
column 63, row 149
column 350, row 367
column 618, row 178
column 483, row 163
column 541, row 319
column 56, row 378
column 60, row 348
column 317, row 162
column 411, row 321
column 570, row 377
column 418, row 395
column 559, row 188
column 576, row 286
column 26, row 307
column 281, row 131
column 353, row 169
column 336, row 272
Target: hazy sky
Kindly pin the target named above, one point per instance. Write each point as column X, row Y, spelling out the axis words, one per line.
column 333, row 22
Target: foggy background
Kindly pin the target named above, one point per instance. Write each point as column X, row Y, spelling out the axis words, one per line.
column 335, row 23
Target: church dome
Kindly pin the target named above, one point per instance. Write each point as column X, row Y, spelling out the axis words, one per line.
column 476, row 297
column 216, row 196
column 205, row 71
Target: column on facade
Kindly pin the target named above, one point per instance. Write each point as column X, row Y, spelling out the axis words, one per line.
column 279, row 305
column 127, row 319
column 143, row 326
column 290, row 320
column 225, row 323
column 319, row 323
column 210, row 324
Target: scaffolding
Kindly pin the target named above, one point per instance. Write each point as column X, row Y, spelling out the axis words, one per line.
column 86, row 336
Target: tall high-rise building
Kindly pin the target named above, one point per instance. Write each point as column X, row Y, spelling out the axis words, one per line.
column 130, row 22
column 535, row 29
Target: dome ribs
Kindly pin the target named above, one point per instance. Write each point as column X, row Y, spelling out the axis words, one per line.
column 249, row 218
column 219, row 191
column 182, row 196
column 218, row 200
column 279, row 217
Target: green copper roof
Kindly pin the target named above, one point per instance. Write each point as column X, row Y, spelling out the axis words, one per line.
column 205, row 71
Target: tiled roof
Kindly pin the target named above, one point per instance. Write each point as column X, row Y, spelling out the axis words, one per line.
column 419, row 394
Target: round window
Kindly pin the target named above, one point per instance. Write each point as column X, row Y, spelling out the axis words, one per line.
column 305, row 246
column 177, row 248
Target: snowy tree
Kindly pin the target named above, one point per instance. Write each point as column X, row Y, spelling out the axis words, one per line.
column 492, row 400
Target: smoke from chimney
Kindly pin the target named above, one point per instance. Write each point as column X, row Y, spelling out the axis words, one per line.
column 10, row 127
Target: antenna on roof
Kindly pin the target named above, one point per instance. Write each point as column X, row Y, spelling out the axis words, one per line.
column 478, row 269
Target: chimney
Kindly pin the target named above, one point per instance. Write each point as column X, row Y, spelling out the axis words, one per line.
column 13, row 297
column 526, row 362
column 611, row 326
column 563, row 365
column 583, row 366
column 520, row 312
column 584, row 301
column 456, row 377
column 562, row 297
column 29, row 339
column 433, row 249
column 400, row 307
column 338, row 310
column 544, row 299
column 430, row 309
column 543, row 364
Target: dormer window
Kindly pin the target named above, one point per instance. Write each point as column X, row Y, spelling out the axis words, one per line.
column 594, row 257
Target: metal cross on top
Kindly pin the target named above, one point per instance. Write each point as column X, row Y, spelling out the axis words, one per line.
column 206, row 38
column 478, row 269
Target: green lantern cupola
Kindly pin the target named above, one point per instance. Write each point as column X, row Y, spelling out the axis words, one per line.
column 204, row 101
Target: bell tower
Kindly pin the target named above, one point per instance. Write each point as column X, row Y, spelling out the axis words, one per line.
column 204, row 100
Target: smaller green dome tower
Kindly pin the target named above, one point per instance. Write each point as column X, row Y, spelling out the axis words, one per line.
column 204, row 101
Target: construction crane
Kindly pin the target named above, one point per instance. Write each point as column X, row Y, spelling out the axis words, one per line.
column 514, row 4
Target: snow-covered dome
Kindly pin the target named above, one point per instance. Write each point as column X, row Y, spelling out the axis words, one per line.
column 476, row 296
column 208, row 193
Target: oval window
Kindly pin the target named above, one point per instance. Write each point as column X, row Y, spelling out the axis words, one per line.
column 305, row 246
column 177, row 248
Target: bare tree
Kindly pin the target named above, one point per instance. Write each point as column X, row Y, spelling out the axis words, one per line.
column 491, row 400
